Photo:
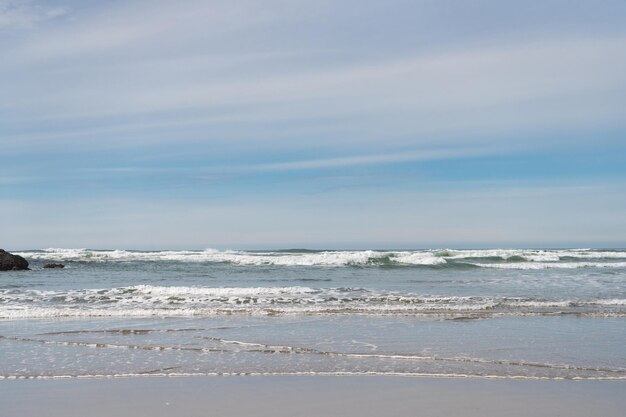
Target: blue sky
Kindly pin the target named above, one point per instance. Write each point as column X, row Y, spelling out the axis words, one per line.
column 321, row 124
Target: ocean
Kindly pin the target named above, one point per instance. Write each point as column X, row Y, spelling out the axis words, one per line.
column 497, row 313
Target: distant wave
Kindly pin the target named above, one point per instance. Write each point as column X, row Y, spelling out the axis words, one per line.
column 447, row 258
column 148, row 300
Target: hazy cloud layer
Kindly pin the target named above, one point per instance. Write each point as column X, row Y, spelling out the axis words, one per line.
column 354, row 220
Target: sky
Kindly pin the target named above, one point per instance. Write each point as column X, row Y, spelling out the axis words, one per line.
column 312, row 124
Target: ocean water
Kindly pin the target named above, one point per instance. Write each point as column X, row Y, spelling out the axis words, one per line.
column 554, row 314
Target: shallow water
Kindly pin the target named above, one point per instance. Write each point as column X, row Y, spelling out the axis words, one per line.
column 497, row 313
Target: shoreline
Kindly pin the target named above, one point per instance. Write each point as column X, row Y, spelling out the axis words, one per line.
column 310, row 395
column 306, row 375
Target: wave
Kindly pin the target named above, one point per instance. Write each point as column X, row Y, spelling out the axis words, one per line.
column 362, row 363
column 223, row 347
column 174, row 374
column 510, row 258
column 280, row 258
column 163, row 301
column 547, row 265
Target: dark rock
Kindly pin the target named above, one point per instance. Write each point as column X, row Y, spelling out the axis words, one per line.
column 10, row 262
column 54, row 266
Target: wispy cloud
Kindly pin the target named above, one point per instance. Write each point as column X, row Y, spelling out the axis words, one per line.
column 118, row 27
column 553, row 84
column 25, row 14
column 350, row 161
column 306, row 164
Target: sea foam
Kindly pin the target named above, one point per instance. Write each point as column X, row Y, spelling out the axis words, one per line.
column 509, row 258
column 149, row 300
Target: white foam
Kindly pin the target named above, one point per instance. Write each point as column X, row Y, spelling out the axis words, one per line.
column 173, row 374
column 610, row 302
column 417, row 258
column 536, row 255
column 148, row 300
column 555, row 265
column 324, row 258
column 216, row 291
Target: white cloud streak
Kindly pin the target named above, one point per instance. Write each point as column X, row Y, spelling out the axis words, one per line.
column 306, row 164
column 357, row 160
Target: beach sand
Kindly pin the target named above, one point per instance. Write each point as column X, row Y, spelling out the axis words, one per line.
column 310, row 396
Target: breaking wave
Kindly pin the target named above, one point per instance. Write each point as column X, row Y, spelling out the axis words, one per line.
column 148, row 300
column 492, row 258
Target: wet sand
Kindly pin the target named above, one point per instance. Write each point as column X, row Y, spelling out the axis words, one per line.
column 309, row 396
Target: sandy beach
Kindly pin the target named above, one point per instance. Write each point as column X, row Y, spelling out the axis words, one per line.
column 310, row 396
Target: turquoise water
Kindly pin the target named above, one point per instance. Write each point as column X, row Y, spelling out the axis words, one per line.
column 490, row 313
